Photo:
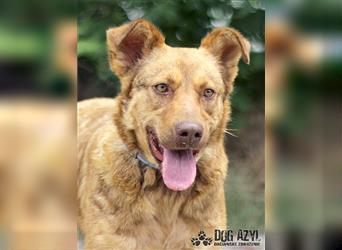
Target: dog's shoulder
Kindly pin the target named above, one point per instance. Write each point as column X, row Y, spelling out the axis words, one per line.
column 95, row 112
column 93, row 104
column 94, row 125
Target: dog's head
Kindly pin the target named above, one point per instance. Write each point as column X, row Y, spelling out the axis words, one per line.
column 176, row 98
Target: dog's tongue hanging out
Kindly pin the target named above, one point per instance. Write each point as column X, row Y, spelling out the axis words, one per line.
column 178, row 169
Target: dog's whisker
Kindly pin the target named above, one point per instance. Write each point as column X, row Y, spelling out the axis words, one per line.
column 231, row 129
column 230, row 133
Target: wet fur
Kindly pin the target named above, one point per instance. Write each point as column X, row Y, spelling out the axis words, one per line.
column 122, row 206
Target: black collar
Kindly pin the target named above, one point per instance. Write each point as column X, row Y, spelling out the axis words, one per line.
column 144, row 162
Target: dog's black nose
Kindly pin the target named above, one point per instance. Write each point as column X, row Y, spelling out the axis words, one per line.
column 188, row 134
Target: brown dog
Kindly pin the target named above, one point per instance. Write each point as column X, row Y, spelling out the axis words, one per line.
column 171, row 114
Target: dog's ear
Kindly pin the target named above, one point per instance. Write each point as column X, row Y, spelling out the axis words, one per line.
column 228, row 46
column 131, row 42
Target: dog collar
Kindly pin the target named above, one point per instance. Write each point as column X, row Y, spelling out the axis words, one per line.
column 144, row 162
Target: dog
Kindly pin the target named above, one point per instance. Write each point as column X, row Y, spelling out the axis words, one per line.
column 151, row 162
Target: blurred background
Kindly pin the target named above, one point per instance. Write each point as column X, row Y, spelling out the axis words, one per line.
column 184, row 23
column 38, row 64
column 303, row 99
column 38, row 41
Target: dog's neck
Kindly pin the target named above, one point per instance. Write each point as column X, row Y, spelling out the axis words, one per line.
column 127, row 136
column 147, row 169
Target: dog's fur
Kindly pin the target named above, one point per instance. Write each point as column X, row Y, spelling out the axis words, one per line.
column 124, row 206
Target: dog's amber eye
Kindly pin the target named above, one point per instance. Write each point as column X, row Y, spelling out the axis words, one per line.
column 208, row 93
column 162, row 88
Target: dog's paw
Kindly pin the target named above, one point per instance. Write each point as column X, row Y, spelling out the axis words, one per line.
column 201, row 235
column 195, row 241
column 207, row 241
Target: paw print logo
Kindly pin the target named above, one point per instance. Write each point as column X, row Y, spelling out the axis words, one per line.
column 207, row 241
column 195, row 241
column 202, row 238
column 201, row 235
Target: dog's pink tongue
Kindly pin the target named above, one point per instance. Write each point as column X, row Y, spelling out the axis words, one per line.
column 178, row 169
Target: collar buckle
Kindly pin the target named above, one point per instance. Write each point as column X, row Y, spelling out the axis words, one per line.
column 144, row 162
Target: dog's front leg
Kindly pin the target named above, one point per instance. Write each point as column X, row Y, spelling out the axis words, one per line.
column 105, row 241
column 102, row 232
column 207, row 213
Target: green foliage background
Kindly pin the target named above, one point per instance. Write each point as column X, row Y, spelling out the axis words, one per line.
column 184, row 23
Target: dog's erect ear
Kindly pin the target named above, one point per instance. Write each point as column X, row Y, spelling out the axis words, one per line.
column 131, row 42
column 228, row 46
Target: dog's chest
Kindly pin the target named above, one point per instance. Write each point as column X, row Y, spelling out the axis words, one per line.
column 164, row 223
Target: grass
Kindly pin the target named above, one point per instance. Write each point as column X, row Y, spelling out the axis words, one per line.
column 244, row 200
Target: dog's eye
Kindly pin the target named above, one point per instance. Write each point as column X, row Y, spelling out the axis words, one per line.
column 208, row 93
column 162, row 88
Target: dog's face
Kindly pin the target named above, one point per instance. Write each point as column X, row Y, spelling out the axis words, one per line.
column 175, row 96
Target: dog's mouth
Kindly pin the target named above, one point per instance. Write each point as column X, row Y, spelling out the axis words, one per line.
column 178, row 166
column 155, row 147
